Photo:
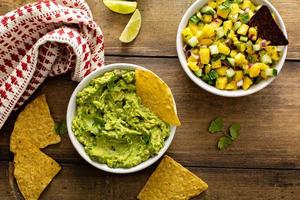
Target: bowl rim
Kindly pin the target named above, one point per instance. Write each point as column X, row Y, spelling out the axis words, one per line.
column 236, row 93
column 79, row 147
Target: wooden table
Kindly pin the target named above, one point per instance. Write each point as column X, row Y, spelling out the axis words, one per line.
column 263, row 164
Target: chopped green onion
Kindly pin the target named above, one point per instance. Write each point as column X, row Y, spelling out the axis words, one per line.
column 244, row 17
column 212, row 75
column 194, row 19
column 271, row 72
column 199, row 15
column 216, row 57
column 223, row 57
column 198, row 73
column 208, row 10
column 243, row 38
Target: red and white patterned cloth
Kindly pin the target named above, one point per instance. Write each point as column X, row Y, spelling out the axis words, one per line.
column 41, row 39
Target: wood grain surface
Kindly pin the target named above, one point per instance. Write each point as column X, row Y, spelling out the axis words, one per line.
column 263, row 164
column 87, row 183
column 160, row 23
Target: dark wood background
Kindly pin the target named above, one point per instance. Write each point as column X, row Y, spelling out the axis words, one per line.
column 263, row 164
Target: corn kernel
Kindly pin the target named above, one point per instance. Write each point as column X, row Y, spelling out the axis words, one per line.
column 222, row 71
column 238, row 75
column 208, row 31
column 231, row 86
column 247, row 83
column 252, row 33
column 216, row 64
column 193, row 66
column 187, row 33
column 235, row 9
column 221, row 83
column 233, row 53
column 207, row 69
column 206, row 42
column 254, row 70
column 207, row 18
column 224, row 49
column 240, row 60
column 227, row 25
column 246, row 4
column 212, row 4
column 223, row 12
column 204, row 55
column 243, row 29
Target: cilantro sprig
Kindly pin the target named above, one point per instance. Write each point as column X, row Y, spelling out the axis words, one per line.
column 216, row 125
column 224, row 142
column 227, row 139
column 61, row 128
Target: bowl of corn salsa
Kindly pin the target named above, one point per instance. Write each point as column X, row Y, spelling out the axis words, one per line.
column 221, row 53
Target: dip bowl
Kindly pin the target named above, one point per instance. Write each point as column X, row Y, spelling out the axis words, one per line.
column 236, row 93
column 79, row 147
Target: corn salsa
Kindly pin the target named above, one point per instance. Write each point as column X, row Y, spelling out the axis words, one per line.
column 224, row 51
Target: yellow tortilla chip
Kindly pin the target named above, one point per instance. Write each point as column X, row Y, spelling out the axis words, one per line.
column 156, row 95
column 170, row 180
column 35, row 122
column 33, row 170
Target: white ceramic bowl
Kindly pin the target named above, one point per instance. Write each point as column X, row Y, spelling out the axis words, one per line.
column 78, row 146
column 237, row 93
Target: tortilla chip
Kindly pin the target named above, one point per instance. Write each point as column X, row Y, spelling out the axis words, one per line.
column 33, row 170
column 170, row 180
column 35, row 122
column 267, row 27
column 156, row 95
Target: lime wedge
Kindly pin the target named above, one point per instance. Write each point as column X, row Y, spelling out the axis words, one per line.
column 132, row 28
column 122, row 7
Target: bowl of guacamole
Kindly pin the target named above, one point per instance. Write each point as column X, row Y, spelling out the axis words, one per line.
column 110, row 127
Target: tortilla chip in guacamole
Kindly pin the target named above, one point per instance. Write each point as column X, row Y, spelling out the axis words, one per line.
column 156, row 95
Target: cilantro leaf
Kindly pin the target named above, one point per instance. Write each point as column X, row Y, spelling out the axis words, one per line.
column 61, row 128
column 216, row 125
column 234, row 130
column 244, row 17
column 224, row 142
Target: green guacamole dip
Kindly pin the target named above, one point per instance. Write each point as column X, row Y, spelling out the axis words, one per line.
column 113, row 125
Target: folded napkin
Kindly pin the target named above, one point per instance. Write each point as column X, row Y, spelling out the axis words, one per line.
column 41, row 39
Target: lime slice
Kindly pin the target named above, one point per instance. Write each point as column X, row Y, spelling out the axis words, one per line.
column 132, row 28
column 122, row 7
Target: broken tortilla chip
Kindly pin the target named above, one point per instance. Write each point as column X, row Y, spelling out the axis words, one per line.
column 267, row 27
column 156, row 95
column 35, row 122
column 33, row 170
column 171, row 180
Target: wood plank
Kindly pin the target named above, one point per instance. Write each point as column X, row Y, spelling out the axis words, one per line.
column 85, row 182
column 6, row 192
column 270, row 119
column 160, row 22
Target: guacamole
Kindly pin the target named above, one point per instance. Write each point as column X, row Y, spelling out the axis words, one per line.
column 113, row 125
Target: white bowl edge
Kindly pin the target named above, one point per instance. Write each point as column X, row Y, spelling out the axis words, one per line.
column 238, row 93
column 78, row 146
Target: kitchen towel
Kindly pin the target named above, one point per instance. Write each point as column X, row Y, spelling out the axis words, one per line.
column 46, row 38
